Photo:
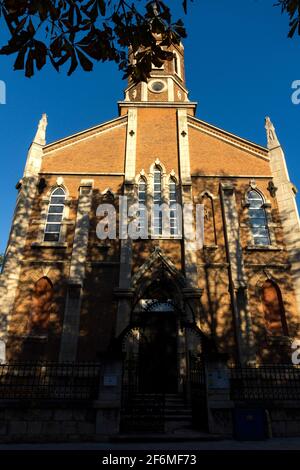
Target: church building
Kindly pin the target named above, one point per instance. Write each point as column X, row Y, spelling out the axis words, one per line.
column 164, row 302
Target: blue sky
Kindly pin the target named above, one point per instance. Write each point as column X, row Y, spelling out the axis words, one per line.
column 239, row 67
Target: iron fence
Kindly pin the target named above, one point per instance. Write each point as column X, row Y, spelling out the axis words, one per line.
column 265, row 383
column 49, row 381
column 140, row 411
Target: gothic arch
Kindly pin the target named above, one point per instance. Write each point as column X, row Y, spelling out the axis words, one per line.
column 139, row 176
column 177, row 63
column 55, row 186
column 273, row 309
column 259, row 217
column 108, row 194
column 210, row 233
column 158, row 267
column 160, row 165
column 267, row 279
column 41, row 304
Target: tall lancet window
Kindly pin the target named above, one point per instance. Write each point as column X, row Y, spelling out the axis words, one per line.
column 273, row 308
column 142, row 200
column 173, row 207
column 258, row 219
column 55, row 215
column 157, row 201
column 176, row 62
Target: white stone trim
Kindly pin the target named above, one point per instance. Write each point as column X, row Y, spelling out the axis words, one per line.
column 140, row 175
column 69, row 338
column 144, row 91
column 184, row 152
column 178, row 64
column 170, row 89
column 131, row 140
column 158, row 104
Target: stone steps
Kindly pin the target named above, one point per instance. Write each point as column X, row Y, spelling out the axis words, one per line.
column 177, row 415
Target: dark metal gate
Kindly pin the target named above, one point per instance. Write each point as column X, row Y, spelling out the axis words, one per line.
column 140, row 412
column 197, row 391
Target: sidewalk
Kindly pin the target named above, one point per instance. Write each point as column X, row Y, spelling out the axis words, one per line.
column 292, row 443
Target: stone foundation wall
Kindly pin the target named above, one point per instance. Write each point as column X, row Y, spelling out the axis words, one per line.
column 285, row 422
column 52, row 424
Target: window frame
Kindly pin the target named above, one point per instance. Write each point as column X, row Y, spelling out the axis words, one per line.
column 157, row 202
column 174, row 229
column 48, row 234
column 259, row 230
column 142, row 201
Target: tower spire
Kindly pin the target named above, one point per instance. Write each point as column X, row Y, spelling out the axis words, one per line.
column 40, row 136
column 272, row 138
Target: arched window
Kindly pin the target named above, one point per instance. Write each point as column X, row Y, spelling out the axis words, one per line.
column 157, row 201
column 41, row 306
column 209, row 220
column 173, row 207
column 273, row 308
column 258, row 219
column 176, row 62
column 55, row 215
column 142, row 201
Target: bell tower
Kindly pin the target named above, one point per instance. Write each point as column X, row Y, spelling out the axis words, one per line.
column 166, row 83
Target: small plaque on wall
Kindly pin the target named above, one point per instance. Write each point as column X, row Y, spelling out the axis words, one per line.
column 110, row 380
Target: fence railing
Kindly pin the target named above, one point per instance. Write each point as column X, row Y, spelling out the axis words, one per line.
column 265, row 383
column 49, row 381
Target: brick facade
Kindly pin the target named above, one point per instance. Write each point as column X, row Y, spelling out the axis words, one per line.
column 213, row 161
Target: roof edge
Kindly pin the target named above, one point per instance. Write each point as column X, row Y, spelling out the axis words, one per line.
column 85, row 131
column 229, row 134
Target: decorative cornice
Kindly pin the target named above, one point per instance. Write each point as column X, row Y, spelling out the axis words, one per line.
column 158, row 104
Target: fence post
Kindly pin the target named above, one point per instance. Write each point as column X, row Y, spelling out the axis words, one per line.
column 219, row 404
column 109, row 397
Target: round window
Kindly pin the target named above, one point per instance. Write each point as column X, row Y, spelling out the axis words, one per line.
column 157, row 86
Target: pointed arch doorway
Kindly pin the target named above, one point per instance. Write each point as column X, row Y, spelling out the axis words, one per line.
column 157, row 342
column 157, row 353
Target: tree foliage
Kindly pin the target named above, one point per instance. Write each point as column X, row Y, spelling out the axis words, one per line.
column 82, row 32
column 292, row 8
